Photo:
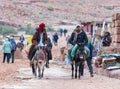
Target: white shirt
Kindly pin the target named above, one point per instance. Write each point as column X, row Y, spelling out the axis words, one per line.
column 41, row 40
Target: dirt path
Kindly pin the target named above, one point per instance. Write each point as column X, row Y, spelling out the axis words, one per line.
column 57, row 77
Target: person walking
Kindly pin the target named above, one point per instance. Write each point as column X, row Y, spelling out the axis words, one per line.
column 14, row 45
column 22, row 39
column 55, row 39
column 78, row 36
column 65, row 32
column 89, row 60
column 61, row 32
column 6, row 50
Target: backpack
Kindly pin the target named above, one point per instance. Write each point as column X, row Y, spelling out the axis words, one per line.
column 13, row 45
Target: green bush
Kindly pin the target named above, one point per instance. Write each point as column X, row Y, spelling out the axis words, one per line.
column 6, row 30
column 50, row 29
column 31, row 30
column 109, row 7
column 28, row 29
column 50, row 8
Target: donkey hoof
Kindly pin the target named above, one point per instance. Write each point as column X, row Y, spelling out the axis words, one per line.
column 75, row 77
column 39, row 77
column 79, row 78
column 72, row 77
column 47, row 66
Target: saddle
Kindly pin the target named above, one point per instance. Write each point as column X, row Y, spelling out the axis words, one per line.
column 40, row 55
column 81, row 51
column 41, row 58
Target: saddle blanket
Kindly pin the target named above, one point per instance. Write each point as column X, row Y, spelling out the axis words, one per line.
column 41, row 58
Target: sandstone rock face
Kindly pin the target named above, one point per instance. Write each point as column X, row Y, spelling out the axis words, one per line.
column 116, row 29
column 22, row 12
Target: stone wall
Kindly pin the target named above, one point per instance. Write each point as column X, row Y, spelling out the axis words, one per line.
column 116, row 29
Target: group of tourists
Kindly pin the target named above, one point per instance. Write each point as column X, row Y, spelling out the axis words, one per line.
column 9, row 47
column 40, row 39
column 63, row 31
column 56, row 36
column 78, row 36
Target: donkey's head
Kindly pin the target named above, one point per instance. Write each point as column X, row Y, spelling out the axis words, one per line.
column 80, row 52
column 81, row 46
column 40, row 55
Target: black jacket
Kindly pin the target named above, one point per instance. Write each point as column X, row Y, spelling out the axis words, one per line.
column 81, row 38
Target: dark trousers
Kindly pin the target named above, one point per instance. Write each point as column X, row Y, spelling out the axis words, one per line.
column 89, row 64
column 12, row 55
column 8, row 57
column 32, row 53
column 65, row 34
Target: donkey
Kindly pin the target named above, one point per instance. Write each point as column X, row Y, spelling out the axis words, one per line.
column 79, row 59
column 39, row 61
column 20, row 46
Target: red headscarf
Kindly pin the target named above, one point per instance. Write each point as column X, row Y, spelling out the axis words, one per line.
column 41, row 26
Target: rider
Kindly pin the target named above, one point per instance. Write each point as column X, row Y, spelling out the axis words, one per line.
column 39, row 40
column 78, row 36
column 22, row 38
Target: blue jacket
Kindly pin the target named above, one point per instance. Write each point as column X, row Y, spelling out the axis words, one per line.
column 55, row 37
column 7, row 46
column 13, row 43
column 49, row 44
column 89, row 45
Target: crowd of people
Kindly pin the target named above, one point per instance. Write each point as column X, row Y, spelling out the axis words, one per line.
column 9, row 47
column 41, row 39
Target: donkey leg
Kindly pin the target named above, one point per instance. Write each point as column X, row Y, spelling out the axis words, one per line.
column 39, row 70
column 47, row 63
column 80, row 66
column 42, row 70
column 47, row 60
column 35, row 68
column 72, row 71
column 75, row 70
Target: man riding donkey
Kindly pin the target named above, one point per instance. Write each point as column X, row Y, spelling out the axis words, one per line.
column 78, row 37
column 39, row 40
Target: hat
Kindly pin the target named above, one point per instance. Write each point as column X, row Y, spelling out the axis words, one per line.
column 8, row 36
column 80, row 25
column 11, row 37
column 41, row 25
